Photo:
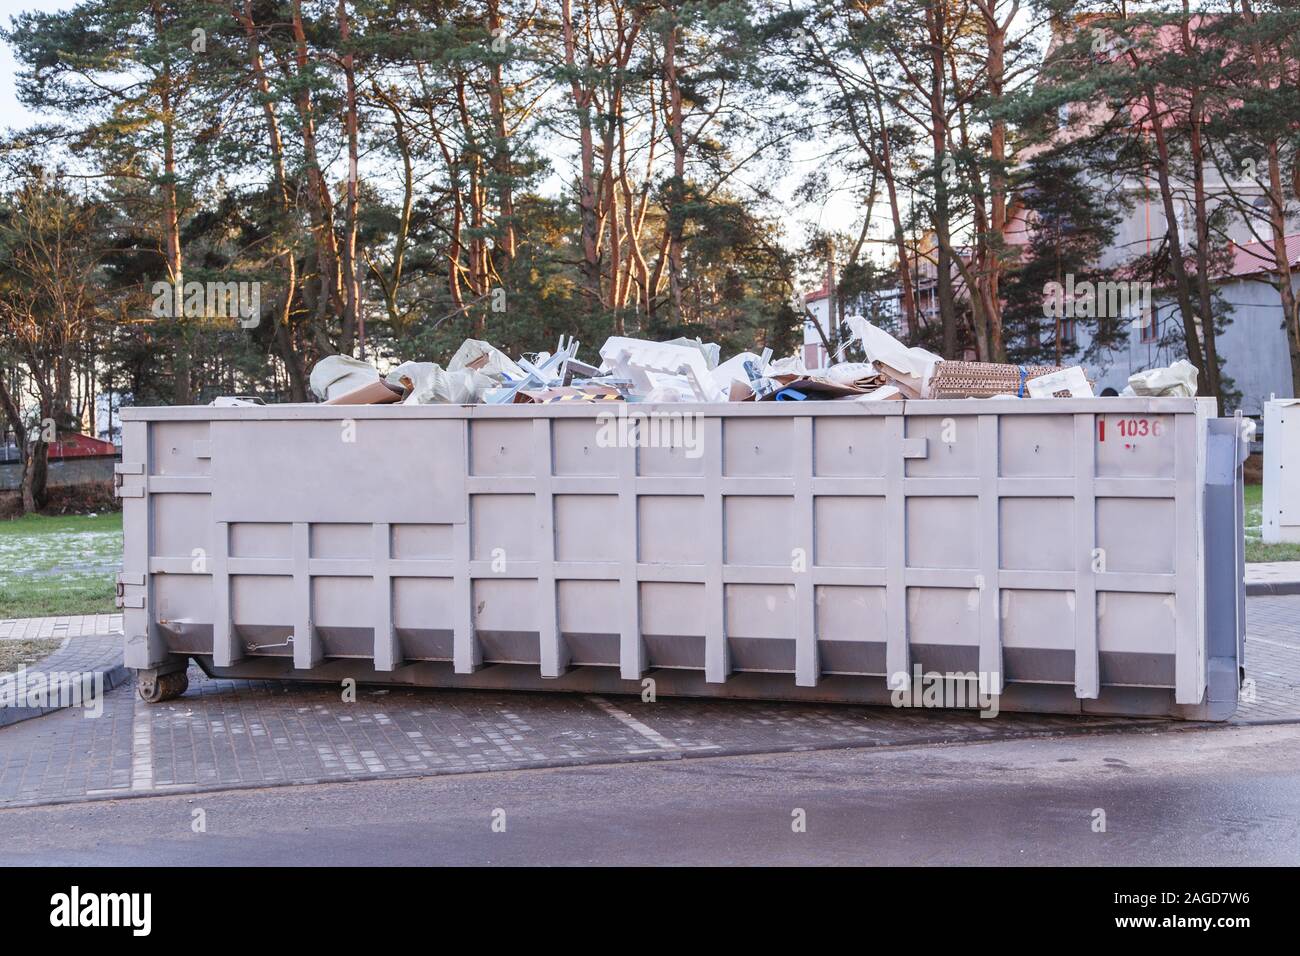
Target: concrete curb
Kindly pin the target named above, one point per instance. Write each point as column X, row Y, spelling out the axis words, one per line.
column 1273, row 588
column 114, row 677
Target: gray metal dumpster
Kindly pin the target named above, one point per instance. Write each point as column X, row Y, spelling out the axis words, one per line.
column 1070, row 555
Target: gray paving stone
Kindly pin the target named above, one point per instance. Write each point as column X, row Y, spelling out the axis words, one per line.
column 235, row 733
column 1272, row 658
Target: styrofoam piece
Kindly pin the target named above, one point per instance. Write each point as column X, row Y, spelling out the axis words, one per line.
column 652, row 365
column 1067, row 383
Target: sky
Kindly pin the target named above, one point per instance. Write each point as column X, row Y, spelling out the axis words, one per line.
column 12, row 113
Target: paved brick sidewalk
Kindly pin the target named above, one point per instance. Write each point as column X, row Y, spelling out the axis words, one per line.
column 83, row 669
column 75, row 625
column 226, row 733
column 1272, row 658
column 256, row 733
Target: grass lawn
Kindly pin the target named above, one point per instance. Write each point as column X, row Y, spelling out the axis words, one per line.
column 1256, row 549
column 59, row 565
column 16, row 654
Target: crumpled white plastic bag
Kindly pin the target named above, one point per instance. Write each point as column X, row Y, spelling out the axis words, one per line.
column 850, row 373
column 428, row 383
column 912, row 366
column 337, row 375
column 790, row 365
column 733, row 370
column 478, row 356
column 1177, row 380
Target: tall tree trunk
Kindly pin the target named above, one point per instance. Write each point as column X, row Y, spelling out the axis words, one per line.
column 390, row 283
column 996, row 33
column 1200, row 209
column 36, row 462
column 677, row 194
column 882, row 166
column 1182, row 284
column 587, row 175
column 501, row 162
column 636, row 217
column 27, row 449
column 454, row 244
column 36, row 469
column 910, row 312
column 478, row 263
column 1203, row 279
column 182, row 382
column 935, row 15
column 1282, row 264
column 351, row 285
column 283, row 332
column 638, row 269
column 284, row 340
column 320, row 204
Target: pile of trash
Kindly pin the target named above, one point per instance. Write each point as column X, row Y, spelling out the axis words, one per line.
column 690, row 370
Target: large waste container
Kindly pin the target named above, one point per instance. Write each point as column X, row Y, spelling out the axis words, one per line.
column 1073, row 555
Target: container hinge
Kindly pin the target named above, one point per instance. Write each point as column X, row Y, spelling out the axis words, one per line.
column 128, row 480
column 130, row 590
column 1246, row 429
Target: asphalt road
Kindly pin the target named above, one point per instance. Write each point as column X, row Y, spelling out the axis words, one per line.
column 1206, row 796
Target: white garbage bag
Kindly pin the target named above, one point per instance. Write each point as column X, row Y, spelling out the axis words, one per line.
column 733, row 370
column 485, row 358
column 1178, row 380
column 850, row 373
column 337, row 375
column 910, row 367
column 428, row 383
column 790, row 365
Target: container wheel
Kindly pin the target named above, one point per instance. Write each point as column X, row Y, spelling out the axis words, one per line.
column 155, row 688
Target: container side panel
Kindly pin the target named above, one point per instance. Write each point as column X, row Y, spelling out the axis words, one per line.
column 1136, row 446
column 849, row 448
column 952, row 443
column 181, row 449
column 850, row 531
column 1124, row 534
column 501, row 448
column 1037, row 534
column 323, row 471
column 943, row 532
column 1036, row 446
column 757, row 448
column 668, row 529
column 759, row 530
